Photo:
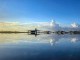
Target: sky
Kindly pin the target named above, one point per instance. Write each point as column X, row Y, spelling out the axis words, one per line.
column 25, row 11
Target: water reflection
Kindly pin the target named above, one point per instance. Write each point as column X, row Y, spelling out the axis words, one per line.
column 44, row 38
column 42, row 47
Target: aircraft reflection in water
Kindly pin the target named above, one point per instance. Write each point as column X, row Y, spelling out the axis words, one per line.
column 43, row 38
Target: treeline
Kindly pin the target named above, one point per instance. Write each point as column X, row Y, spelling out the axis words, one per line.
column 45, row 32
column 69, row 32
column 12, row 32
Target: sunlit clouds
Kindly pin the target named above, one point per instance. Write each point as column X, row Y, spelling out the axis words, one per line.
column 14, row 26
column 50, row 26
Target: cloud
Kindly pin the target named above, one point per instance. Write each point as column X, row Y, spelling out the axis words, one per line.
column 50, row 26
column 10, row 26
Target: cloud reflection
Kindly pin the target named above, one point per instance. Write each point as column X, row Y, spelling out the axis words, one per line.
column 46, row 39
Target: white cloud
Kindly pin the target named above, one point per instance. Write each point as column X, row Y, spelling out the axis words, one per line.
column 51, row 26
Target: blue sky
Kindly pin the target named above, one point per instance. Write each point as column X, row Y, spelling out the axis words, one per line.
column 62, row 11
